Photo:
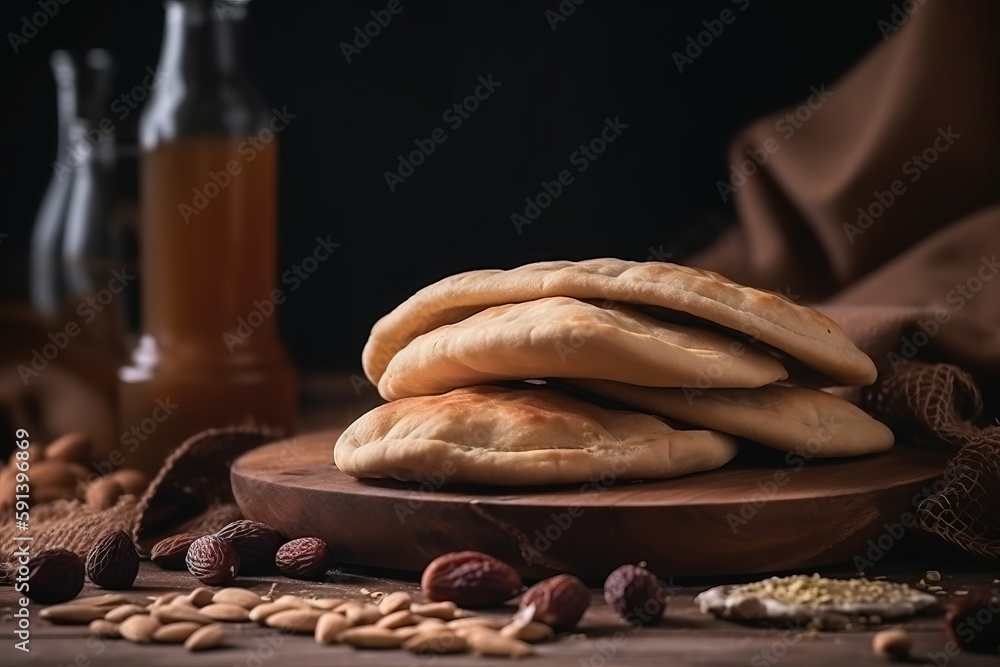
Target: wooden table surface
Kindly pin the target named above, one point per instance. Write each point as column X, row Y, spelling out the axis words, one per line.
column 684, row 637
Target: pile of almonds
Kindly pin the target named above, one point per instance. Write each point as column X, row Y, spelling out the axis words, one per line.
column 59, row 471
column 439, row 625
column 195, row 619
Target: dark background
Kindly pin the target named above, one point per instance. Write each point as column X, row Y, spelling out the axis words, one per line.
column 655, row 188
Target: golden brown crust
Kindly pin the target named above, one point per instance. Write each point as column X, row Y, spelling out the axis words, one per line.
column 793, row 419
column 802, row 332
column 497, row 436
column 564, row 337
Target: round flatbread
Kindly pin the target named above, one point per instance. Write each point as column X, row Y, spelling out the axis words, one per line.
column 564, row 337
column 803, row 333
column 793, row 419
column 517, row 437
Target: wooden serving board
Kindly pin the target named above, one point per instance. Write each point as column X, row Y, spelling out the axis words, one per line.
column 756, row 514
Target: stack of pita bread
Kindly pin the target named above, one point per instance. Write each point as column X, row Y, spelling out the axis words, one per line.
column 651, row 370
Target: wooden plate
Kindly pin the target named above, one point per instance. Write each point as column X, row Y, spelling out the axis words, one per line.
column 756, row 514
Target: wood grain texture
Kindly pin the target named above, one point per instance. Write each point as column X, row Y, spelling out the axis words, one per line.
column 758, row 514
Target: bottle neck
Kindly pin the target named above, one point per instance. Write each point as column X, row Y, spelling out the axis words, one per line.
column 203, row 87
column 65, row 115
column 203, row 42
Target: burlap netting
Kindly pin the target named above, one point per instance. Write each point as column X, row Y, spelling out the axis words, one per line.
column 941, row 403
column 937, row 404
column 191, row 493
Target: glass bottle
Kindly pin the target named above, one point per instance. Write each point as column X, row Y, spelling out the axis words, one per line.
column 208, row 246
column 83, row 81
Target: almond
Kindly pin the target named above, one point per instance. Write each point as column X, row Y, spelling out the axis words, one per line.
column 121, row 612
column 532, row 632
column 105, row 600
column 238, row 596
column 103, row 493
column 363, row 614
column 56, row 474
column 443, row 610
column 495, row 644
column 72, row 614
column 326, row 604
column 178, row 613
column 476, row 621
column 230, row 613
column 133, row 482
column 205, row 638
column 301, row 621
column 397, row 619
column 104, row 628
column 139, row 629
column 74, row 447
column 329, row 626
column 200, row 597
column 261, row 613
column 394, row 602
column 435, row 642
column 175, row 633
column 165, row 599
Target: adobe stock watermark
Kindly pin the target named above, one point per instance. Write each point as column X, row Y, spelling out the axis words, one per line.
column 970, row 630
column 430, row 483
column 606, row 648
column 217, row 181
column 771, row 655
column 563, row 11
column 454, row 115
column 381, row 18
column 894, row 531
column 708, row 376
column 576, row 340
column 87, row 310
column 696, row 44
column 30, row 25
column 914, row 168
column 796, row 461
column 964, row 292
column 901, row 13
column 293, row 277
column 786, row 126
column 561, row 522
column 134, row 436
column 581, row 158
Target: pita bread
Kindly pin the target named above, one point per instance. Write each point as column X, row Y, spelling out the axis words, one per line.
column 792, row 419
column 516, row 437
column 564, row 337
column 805, row 334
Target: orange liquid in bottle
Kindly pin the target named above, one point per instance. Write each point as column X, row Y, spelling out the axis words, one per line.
column 210, row 355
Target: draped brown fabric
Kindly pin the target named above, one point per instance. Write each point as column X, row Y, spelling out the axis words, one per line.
column 881, row 202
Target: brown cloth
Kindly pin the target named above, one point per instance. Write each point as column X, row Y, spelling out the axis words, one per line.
column 879, row 199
